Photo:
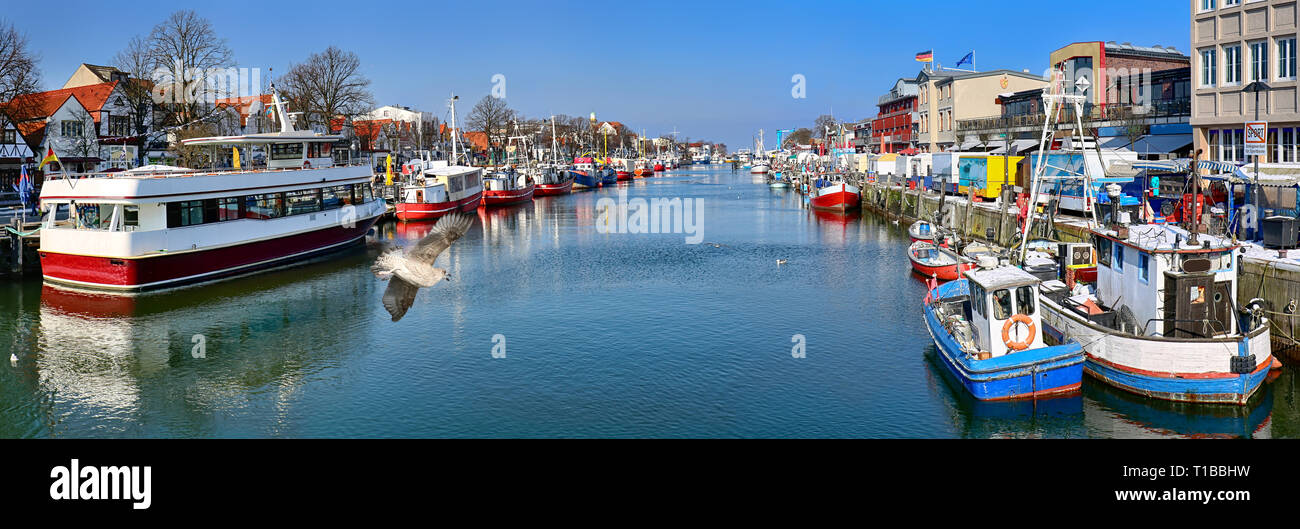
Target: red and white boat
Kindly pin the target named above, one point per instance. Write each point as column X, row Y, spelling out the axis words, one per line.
column 440, row 187
column 660, row 167
column 922, row 230
column 623, row 168
column 554, row 182
column 440, row 190
column 504, row 189
column 160, row 227
column 837, row 197
column 936, row 261
column 642, row 168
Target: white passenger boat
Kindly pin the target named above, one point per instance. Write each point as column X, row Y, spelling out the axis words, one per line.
column 152, row 228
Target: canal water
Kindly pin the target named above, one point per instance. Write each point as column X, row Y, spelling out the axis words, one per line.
column 595, row 335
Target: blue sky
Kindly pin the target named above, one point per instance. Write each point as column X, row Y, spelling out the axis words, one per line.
column 712, row 70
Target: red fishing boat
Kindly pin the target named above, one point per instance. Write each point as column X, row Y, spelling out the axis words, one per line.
column 439, row 191
column 660, row 167
column 935, row 261
column 622, row 168
column 642, row 168
column 507, row 189
column 563, row 187
column 837, row 197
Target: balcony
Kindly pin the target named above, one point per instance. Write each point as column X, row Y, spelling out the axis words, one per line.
column 1160, row 111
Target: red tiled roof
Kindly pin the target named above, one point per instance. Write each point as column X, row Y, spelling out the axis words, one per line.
column 478, row 139
column 241, row 104
column 30, row 111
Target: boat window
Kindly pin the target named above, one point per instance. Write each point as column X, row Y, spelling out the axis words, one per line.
column 1119, row 258
column 268, row 206
column 186, row 213
column 329, row 198
column 131, row 216
column 88, row 217
column 471, row 180
column 1103, row 251
column 286, row 151
column 454, row 183
column 1001, row 304
column 318, row 150
column 1144, row 266
column 977, row 300
column 1025, row 300
column 228, row 208
column 302, row 201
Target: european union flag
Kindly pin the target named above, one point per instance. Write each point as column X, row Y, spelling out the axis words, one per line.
column 969, row 59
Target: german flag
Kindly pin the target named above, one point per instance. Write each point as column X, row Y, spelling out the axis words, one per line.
column 925, row 56
column 49, row 157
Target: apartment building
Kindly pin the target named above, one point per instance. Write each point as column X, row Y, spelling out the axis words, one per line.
column 1238, row 42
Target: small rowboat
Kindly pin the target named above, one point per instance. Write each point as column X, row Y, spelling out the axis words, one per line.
column 938, row 262
column 922, row 231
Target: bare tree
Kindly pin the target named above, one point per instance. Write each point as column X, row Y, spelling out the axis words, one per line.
column 136, row 59
column 184, row 50
column 82, row 141
column 822, row 124
column 18, row 75
column 329, row 85
column 798, row 137
column 492, row 116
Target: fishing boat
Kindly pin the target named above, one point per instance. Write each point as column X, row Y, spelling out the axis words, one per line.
column 931, row 260
column 554, row 182
column 150, row 229
column 440, row 190
column 659, row 166
column 975, row 250
column 584, row 173
column 837, row 197
column 507, row 188
column 643, row 168
column 608, row 177
column 440, row 187
column 988, row 330
column 623, row 168
column 1162, row 319
column 922, row 230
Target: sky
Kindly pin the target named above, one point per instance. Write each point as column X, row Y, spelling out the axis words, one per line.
column 716, row 71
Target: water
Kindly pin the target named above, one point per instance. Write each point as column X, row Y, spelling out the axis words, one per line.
column 606, row 335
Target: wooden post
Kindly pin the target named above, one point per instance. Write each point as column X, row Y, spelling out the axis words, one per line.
column 970, row 206
column 1002, row 223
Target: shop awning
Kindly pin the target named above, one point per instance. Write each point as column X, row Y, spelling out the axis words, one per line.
column 1162, row 144
column 1113, row 142
column 1017, row 146
column 969, row 144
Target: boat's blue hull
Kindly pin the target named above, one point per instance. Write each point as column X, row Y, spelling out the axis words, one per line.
column 1030, row 373
column 584, row 180
column 608, row 177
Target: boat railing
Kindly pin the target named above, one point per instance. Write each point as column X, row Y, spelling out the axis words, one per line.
column 177, row 174
column 1206, row 324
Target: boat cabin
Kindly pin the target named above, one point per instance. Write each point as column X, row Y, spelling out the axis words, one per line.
column 441, row 183
column 1004, row 311
column 1158, row 283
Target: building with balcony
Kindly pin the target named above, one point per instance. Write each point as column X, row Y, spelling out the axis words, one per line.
column 892, row 130
column 1235, row 44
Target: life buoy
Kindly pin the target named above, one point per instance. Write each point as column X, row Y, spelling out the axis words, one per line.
column 1006, row 332
column 306, row 164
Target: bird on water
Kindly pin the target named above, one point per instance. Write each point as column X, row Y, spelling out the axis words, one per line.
column 409, row 270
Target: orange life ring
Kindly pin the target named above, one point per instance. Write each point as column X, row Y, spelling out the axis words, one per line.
column 1006, row 332
column 306, row 164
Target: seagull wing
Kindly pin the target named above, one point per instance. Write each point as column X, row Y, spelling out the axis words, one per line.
column 399, row 296
column 448, row 229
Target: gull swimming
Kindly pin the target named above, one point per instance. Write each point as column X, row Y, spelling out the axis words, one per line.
column 407, row 271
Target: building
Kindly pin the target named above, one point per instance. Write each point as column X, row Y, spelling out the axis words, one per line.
column 1235, row 44
column 1143, row 104
column 14, row 153
column 89, row 127
column 966, row 95
column 930, row 125
column 416, row 134
column 246, row 115
column 892, row 130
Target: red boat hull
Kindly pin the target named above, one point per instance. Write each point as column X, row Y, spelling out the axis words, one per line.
column 189, row 267
column 506, row 198
column 659, row 168
column 944, row 273
column 837, row 201
column 417, row 211
column 623, row 175
column 544, row 190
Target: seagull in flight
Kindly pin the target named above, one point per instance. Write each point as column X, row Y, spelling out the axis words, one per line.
column 408, row 271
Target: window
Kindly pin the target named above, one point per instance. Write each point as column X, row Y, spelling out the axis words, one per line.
column 1119, row 258
column 1001, row 304
column 1232, row 64
column 977, row 295
column 286, row 151
column 1144, row 267
column 119, row 125
column 1259, row 61
column 71, row 127
column 268, row 206
column 1286, row 58
column 1025, row 300
column 1233, row 145
column 1103, row 251
column 1209, row 65
column 228, row 208
column 87, row 217
column 9, row 137
column 1207, row 5
column 1286, row 148
column 187, row 213
column 303, row 201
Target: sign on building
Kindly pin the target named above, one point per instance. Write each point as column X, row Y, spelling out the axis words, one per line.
column 1256, row 138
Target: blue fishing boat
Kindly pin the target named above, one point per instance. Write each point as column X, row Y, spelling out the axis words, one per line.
column 608, row 176
column 967, row 317
column 584, row 172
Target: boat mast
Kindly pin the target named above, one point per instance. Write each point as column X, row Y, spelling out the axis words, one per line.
column 452, row 103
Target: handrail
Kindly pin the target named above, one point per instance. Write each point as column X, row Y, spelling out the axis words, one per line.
column 1222, row 328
